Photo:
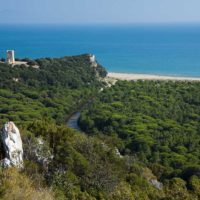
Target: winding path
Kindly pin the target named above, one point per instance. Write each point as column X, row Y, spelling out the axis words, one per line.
column 72, row 122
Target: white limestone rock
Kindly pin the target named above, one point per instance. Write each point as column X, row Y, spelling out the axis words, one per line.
column 118, row 153
column 42, row 153
column 156, row 184
column 5, row 163
column 12, row 145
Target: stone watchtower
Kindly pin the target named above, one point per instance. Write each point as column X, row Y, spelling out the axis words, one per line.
column 93, row 60
column 10, row 56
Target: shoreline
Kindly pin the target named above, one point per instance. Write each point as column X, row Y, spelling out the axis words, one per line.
column 134, row 76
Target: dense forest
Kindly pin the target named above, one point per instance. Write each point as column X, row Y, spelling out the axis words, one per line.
column 140, row 140
column 53, row 90
column 157, row 122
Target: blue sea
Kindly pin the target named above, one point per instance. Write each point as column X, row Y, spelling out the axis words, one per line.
column 150, row 49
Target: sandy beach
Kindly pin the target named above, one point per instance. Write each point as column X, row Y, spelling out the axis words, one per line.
column 131, row 76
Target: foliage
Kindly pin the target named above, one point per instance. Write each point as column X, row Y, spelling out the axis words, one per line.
column 15, row 185
column 56, row 89
column 86, row 167
column 154, row 125
column 157, row 121
column 83, row 167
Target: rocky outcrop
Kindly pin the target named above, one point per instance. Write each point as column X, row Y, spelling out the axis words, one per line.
column 117, row 152
column 42, row 153
column 12, row 145
column 151, row 178
column 37, row 150
column 156, row 184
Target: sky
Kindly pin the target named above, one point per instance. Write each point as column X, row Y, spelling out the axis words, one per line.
column 99, row 11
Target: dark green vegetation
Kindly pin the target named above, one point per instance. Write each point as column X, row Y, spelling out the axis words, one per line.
column 158, row 122
column 83, row 168
column 54, row 90
column 155, row 126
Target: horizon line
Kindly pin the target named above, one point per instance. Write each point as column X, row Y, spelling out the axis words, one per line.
column 103, row 23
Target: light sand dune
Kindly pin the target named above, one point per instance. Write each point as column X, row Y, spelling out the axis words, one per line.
column 126, row 76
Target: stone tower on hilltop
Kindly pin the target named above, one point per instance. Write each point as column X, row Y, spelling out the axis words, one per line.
column 10, row 56
column 93, row 60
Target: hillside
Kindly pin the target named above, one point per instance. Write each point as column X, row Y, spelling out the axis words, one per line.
column 56, row 89
column 133, row 146
column 157, row 122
